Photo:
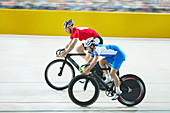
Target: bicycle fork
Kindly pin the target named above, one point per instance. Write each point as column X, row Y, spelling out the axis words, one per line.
column 62, row 67
column 85, row 85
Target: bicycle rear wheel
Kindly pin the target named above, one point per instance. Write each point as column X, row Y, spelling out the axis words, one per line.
column 133, row 90
column 52, row 77
column 80, row 94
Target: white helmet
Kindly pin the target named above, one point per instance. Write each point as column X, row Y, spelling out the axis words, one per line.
column 68, row 23
column 89, row 42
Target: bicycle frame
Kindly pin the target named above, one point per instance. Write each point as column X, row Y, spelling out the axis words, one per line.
column 100, row 80
column 71, row 60
column 68, row 56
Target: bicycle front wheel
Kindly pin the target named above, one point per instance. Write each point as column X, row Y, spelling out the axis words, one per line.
column 53, row 77
column 133, row 90
column 83, row 90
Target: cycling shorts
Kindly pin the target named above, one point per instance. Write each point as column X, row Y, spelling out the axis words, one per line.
column 98, row 40
column 117, row 60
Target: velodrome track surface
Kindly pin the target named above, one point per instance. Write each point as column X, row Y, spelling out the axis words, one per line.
column 23, row 60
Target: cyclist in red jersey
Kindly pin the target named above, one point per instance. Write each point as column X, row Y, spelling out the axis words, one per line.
column 79, row 33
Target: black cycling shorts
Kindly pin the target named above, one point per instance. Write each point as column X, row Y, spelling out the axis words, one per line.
column 100, row 41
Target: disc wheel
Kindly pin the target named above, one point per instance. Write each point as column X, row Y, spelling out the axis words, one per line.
column 133, row 90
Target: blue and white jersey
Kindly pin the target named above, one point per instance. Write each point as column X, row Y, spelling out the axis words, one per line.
column 105, row 50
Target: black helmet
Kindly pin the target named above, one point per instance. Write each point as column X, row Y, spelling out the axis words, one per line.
column 68, row 23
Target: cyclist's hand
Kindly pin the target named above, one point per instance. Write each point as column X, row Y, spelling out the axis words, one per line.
column 81, row 71
column 84, row 69
column 86, row 72
column 57, row 55
column 63, row 53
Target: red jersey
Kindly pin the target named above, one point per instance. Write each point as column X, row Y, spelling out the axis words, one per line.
column 83, row 33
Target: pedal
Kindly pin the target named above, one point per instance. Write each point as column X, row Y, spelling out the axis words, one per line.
column 109, row 93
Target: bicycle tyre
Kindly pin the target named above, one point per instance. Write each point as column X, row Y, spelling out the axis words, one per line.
column 47, row 76
column 136, row 92
column 74, row 99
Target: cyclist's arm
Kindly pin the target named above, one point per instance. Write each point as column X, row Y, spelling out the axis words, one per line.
column 73, row 43
column 92, row 64
column 90, row 60
column 69, row 44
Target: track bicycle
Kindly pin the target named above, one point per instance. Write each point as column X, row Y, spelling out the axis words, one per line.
column 84, row 90
column 60, row 72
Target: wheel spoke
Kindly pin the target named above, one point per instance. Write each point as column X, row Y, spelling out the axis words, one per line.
column 83, row 91
column 54, row 77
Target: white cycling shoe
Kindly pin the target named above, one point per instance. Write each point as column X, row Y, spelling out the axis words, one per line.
column 116, row 95
column 108, row 80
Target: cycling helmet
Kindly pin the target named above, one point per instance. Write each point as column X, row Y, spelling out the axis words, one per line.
column 89, row 42
column 68, row 23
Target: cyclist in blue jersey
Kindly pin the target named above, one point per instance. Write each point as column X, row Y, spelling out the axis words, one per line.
column 112, row 54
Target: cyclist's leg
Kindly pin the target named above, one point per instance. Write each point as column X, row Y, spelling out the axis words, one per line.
column 102, row 64
column 115, row 67
column 80, row 49
column 118, row 60
column 116, row 83
column 98, row 40
column 115, row 77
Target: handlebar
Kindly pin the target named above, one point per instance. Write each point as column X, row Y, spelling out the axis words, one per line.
column 83, row 67
column 58, row 52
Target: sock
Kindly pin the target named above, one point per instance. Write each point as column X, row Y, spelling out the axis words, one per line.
column 118, row 90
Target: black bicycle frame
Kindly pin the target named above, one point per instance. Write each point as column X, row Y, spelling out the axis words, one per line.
column 98, row 78
column 71, row 60
column 77, row 66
